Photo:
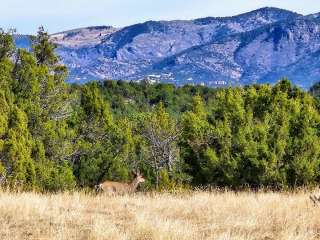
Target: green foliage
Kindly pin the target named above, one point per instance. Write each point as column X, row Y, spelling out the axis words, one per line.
column 54, row 177
column 258, row 136
column 17, row 150
column 7, row 46
column 43, row 49
column 34, row 117
column 54, row 136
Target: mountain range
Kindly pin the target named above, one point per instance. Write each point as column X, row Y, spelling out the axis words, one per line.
column 260, row 46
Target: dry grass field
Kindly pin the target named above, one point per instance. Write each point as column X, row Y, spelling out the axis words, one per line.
column 199, row 215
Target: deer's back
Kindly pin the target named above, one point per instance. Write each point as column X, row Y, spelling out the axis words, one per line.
column 115, row 187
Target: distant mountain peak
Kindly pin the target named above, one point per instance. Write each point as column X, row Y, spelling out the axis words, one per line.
column 254, row 47
column 270, row 14
column 273, row 9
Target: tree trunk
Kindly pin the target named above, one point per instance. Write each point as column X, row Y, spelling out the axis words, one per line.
column 157, row 179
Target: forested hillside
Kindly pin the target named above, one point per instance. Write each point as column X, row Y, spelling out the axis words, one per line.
column 55, row 136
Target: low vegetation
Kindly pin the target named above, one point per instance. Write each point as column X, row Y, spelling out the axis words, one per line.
column 197, row 215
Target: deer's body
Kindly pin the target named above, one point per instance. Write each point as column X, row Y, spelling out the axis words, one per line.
column 117, row 188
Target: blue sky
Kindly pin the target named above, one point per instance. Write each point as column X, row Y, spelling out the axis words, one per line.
column 59, row 15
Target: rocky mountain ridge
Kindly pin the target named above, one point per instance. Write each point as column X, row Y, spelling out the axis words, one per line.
column 256, row 47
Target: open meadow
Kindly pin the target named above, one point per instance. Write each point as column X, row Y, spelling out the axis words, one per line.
column 198, row 215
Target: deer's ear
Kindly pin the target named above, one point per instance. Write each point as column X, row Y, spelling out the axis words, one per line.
column 134, row 173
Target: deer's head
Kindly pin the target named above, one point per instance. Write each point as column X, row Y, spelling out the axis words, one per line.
column 138, row 177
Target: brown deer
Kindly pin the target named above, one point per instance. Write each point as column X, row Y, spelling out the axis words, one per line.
column 117, row 188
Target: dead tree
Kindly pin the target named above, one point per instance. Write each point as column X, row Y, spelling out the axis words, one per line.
column 163, row 147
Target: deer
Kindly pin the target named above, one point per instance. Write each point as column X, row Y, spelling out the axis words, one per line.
column 118, row 188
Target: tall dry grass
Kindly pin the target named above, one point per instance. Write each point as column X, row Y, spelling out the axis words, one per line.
column 198, row 215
